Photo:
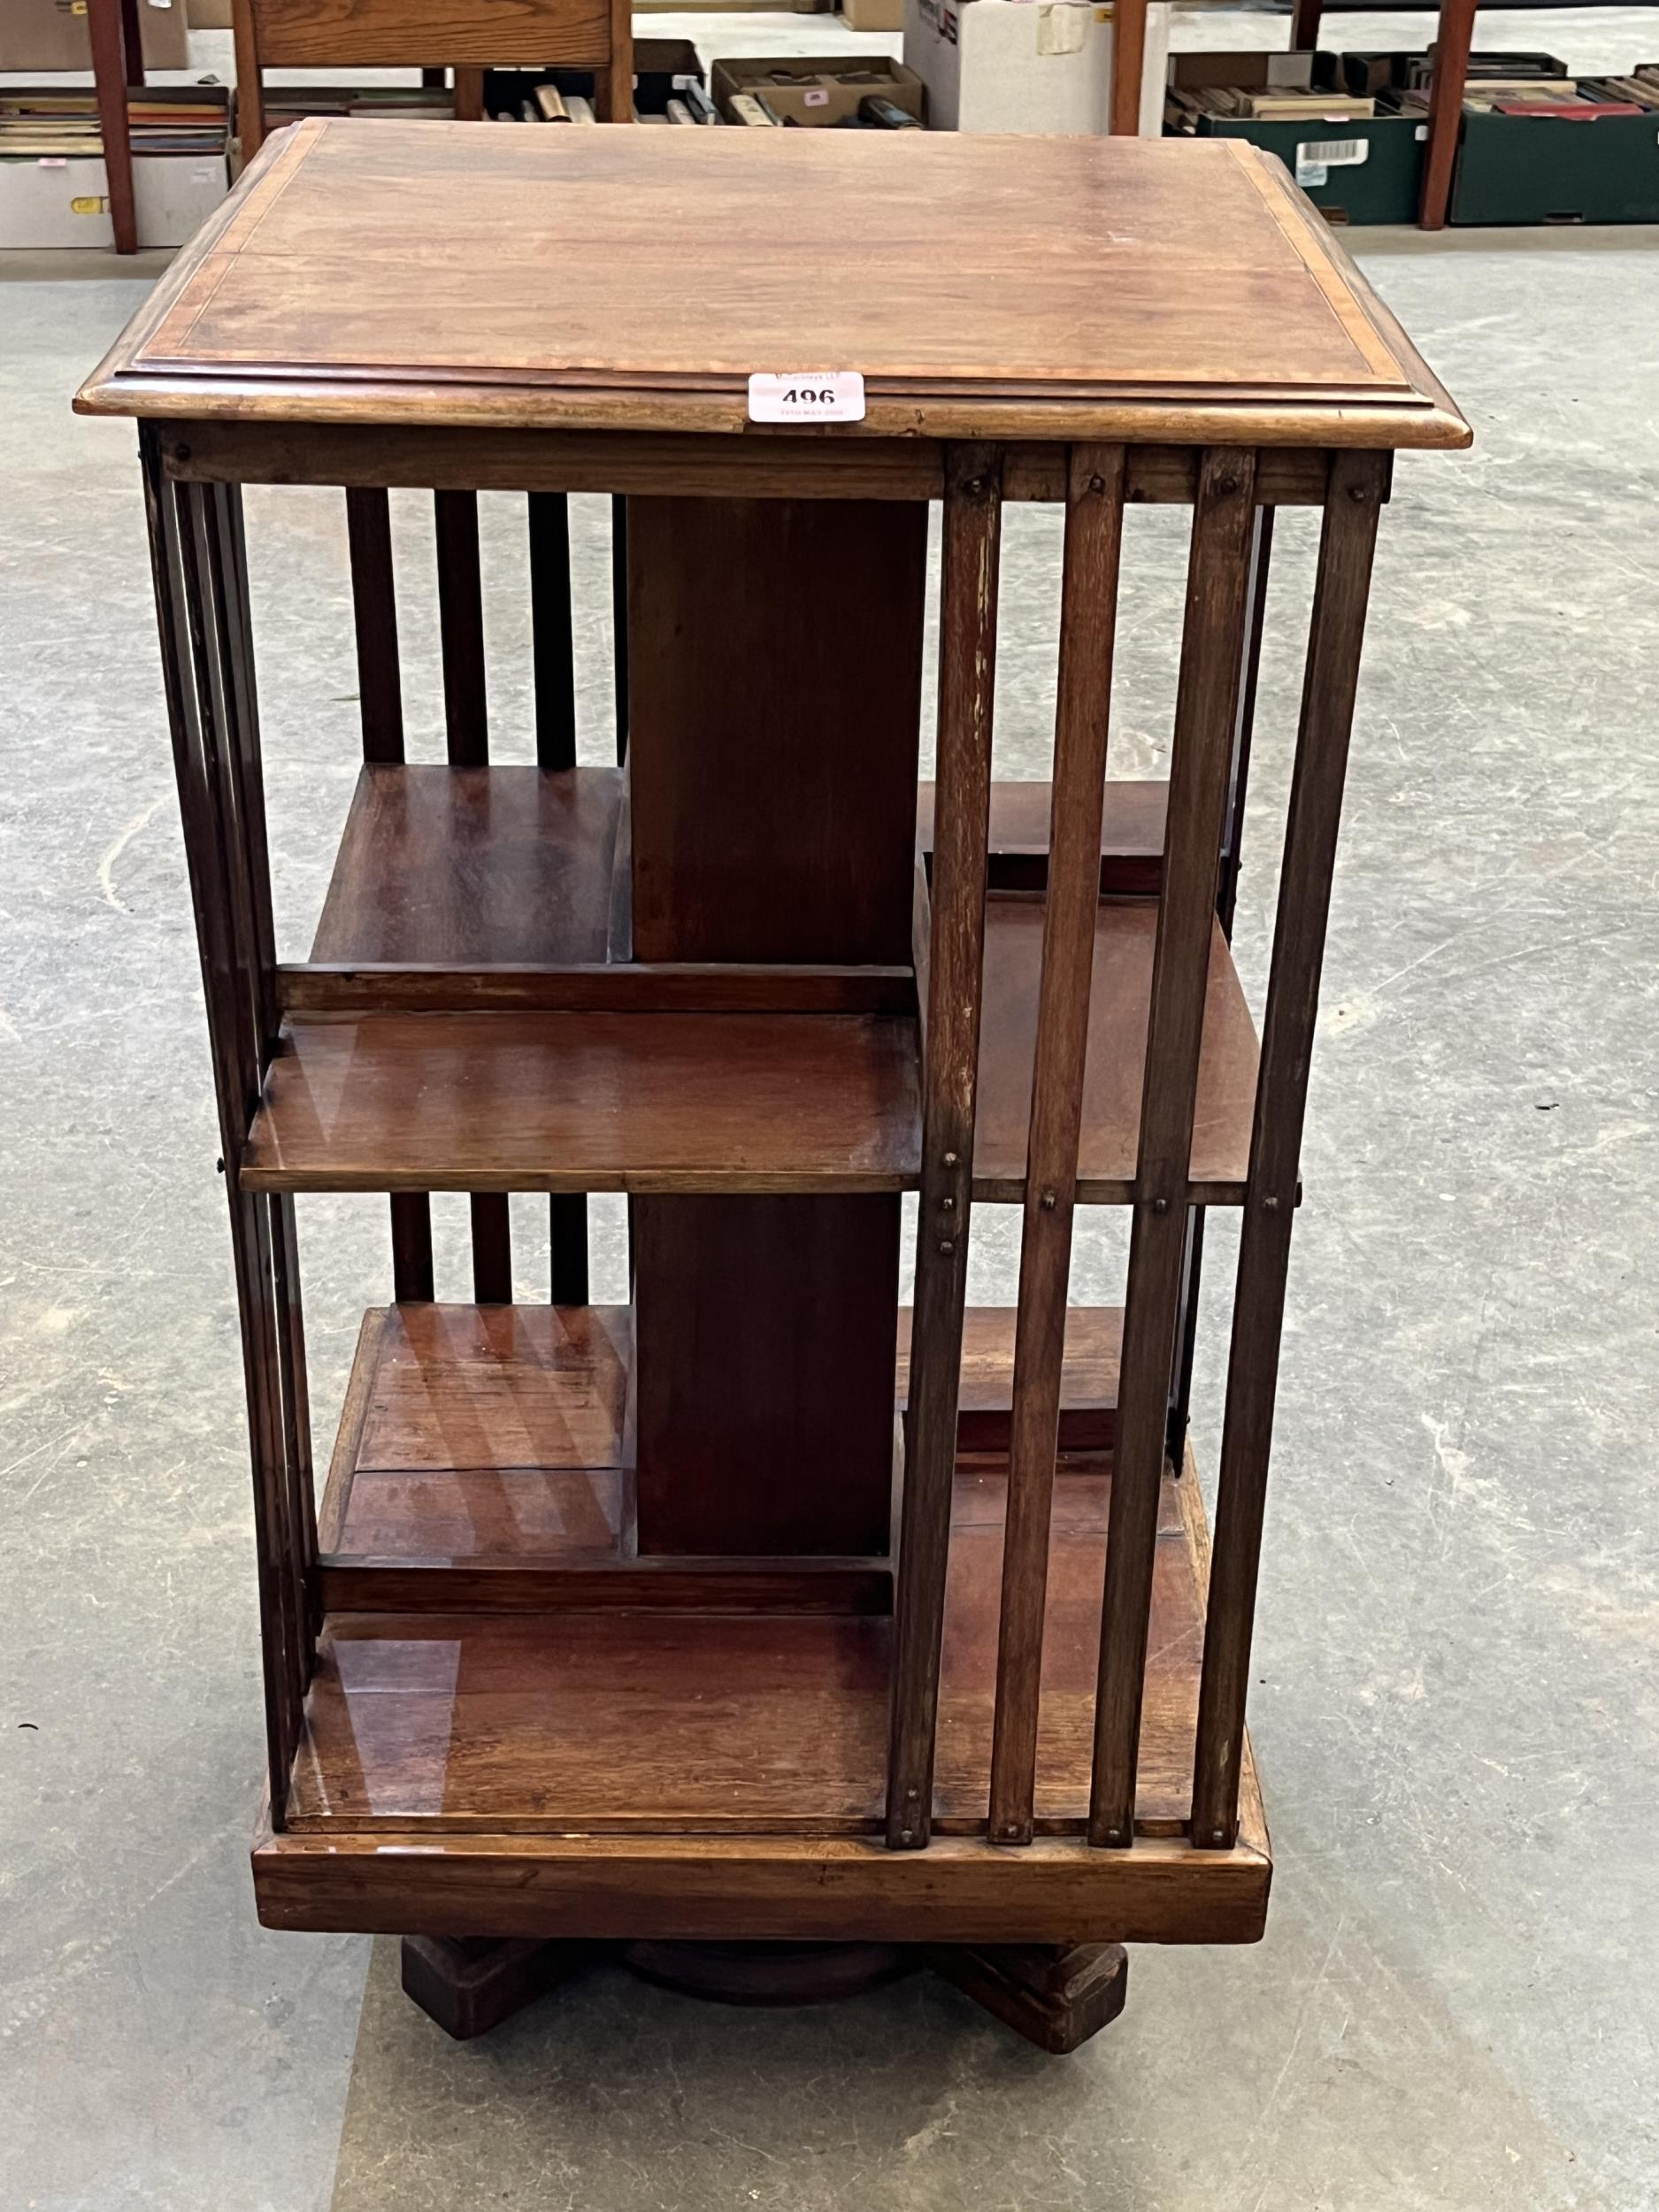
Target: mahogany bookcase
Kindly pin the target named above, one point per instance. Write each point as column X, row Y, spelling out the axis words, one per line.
column 760, row 1613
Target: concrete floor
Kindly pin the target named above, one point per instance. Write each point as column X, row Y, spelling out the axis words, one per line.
column 1457, row 1705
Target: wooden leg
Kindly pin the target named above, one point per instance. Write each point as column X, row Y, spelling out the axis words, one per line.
column 1055, row 1997
column 1304, row 26
column 469, row 1985
column 132, row 38
column 1129, row 58
column 1452, row 41
column 109, row 69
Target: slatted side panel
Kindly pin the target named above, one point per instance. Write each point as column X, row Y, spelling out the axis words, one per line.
column 553, row 652
column 1207, row 699
column 1093, row 538
column 195, row 540
column 967, row 657
column 1358, row 487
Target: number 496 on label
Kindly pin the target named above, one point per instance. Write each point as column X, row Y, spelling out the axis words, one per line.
column 818, row 395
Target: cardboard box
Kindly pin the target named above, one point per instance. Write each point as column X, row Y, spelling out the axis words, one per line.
column 48, row 35
column 66, row 202
column 209, row 15
column 1354, row 169
column 1043, row 66
column 873, row 15
column 818, row 90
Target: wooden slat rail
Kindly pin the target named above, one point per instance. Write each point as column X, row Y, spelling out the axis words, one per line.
column 466, row 728
column 195, row 542
column 1089, row 607
column 554, row 663
column 1226, row 901
column 381, row 706
column 706, row 464
column 967, row 660
column 641, row 986
column 1212, row 647
column 1346, row 544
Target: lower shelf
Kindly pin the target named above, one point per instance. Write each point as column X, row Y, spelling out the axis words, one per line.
column 740, row 1722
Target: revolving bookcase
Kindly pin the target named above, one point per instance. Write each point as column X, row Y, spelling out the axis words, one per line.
column 759, row 1613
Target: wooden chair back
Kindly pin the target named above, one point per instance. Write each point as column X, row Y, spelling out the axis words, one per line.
column 465, row 35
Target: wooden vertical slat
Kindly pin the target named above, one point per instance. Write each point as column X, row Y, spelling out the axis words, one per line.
column 619, row 615
column 613, row 85
column 249, row 85
column 567, row 1224
column 1348, row 541
column 552, row 648
column 461, row 629
column 553, row 652
column 1088, row 611
column 1128, row 65
column 469, row 96
column 466, row 725
column 967, row 665
column 1452, row 38
column 202, row 617
column 374, row 606
column 110, row 67
column 380, row 708
column 1226, row 901
column 1212, row 650
column 492, row 1249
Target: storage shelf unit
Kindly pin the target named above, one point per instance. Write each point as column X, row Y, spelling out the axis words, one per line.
column 761, row 1609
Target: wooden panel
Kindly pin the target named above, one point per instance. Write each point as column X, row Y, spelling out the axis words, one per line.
column 429, row 33
column 732, row 1724
column 733, row 466
column 766, row 1332
column 474, row 865
column 589, row 1101
column 1125, row 936
column 774, row 687
column 1132, row 835
column 1188, row 285
column 754, row 1888
column 1089, row 1381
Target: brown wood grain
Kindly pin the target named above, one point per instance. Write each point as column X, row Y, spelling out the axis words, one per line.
column 758, row 1888
column 1126, row 932
column 1206, row 713
column 757, row 465
column 773, row 769
column 733, row 1723
column 1088, row 616
column 1132, row 835
column 608, row 987
column 427, row 33
column 500, row 1102
column 1088, row 1382
column 1187, row 297
column 955, row 957
column 1347, row 545
column 496, row 865
column 821, row 1583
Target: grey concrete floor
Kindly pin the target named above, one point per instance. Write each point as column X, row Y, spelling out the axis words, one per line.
column 1458, row 1704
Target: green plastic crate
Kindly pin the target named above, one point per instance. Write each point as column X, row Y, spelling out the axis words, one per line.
column 1534, row 169
column 1382, row 187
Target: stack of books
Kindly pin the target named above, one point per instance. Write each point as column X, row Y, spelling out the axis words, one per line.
column 63, row 125
column 1275, row 103
column 292, row 103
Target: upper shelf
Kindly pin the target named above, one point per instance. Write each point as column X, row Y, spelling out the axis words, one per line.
column 417, row 275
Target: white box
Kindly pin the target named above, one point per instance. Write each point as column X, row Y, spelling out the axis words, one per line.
column 1042, row 65
column 65, row 203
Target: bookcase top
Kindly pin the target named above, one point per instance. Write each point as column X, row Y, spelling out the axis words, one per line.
column 373, row 273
